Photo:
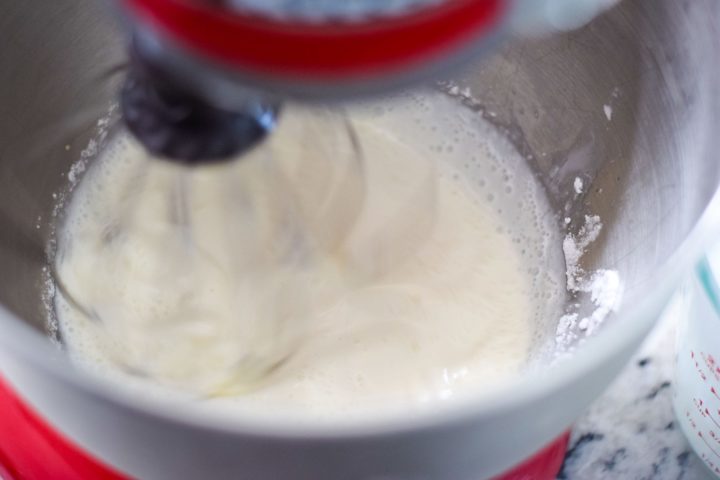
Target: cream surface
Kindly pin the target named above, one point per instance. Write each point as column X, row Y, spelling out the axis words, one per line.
column 395, row 281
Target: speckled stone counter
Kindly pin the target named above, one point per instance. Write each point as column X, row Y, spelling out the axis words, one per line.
column 631, row 432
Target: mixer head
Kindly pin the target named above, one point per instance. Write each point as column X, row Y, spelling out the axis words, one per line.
column 203, row 71
column 233, row 55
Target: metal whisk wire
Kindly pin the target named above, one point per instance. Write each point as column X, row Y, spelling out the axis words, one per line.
column 249, row 368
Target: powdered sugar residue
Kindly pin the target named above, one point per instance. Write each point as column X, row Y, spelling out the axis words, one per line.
column 607, row 109
column 574, row 246
column 102, row 129
column 566, row 328
column 578, row 185
column 605, row 291
column 603, row 286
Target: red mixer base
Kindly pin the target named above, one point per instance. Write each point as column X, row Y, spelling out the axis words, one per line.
column 31, row 450
column 544, row 465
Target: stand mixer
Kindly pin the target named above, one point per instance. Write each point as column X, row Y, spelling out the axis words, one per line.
column 487, row 437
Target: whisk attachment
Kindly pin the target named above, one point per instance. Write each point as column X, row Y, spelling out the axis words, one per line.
column 215, row 259
column 174, row 123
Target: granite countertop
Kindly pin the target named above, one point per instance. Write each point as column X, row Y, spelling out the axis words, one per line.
column 631, row 432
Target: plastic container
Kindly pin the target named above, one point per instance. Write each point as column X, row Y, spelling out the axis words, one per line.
column 697, row 394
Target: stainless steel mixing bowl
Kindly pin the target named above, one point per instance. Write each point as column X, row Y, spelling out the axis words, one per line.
column 631, row 103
